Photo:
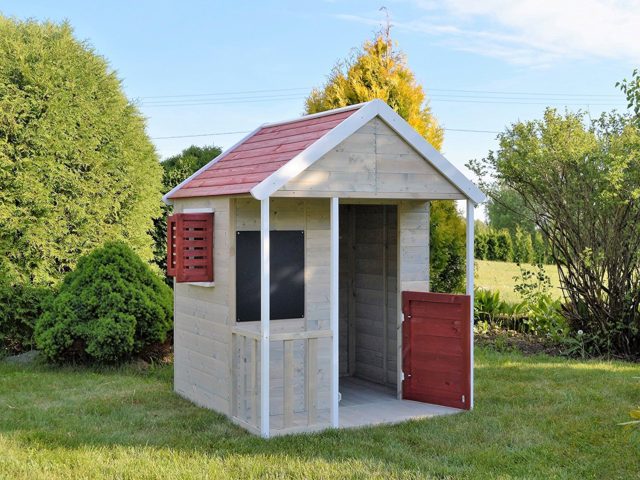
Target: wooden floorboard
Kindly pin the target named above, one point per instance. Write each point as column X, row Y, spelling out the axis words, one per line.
column 364, row 404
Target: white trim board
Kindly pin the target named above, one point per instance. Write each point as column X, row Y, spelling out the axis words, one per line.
column 349, row 126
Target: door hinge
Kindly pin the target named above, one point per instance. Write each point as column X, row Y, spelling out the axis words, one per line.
column 463, row 399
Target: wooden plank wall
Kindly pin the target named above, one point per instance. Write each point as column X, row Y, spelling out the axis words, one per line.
column 312, row 216
column 413, row 259
column 374, row 162
column 202, row 321
column 368, row 273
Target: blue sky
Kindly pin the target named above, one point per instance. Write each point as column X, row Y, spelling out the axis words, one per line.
column 199, row 67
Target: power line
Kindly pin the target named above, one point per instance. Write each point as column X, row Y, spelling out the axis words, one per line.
column 223, row 102
column 504, row 92
column 496, row 92
column 214, row 134
column 200, row 135
column 225, row 93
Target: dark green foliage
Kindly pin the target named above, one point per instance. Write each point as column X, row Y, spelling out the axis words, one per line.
column 540, row 249
column 76, row 166
column 110, row 308
column 492, row 245
column 499, row 246
column 522, row 246
column 580, row 181
column 447, row 238
column 504, row 246
column 480, row 246
column 506, row 209
column 20, row 307
column 175, row 170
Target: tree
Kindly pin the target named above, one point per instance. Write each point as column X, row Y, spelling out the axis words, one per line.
column 522, row 246
column 580, row 181
column 480, row 246
column 504, row 246
column 540, row 250
column 447, row 240
column 378, row 70
column 176, row 169
column 76, row 166
column 506, row 209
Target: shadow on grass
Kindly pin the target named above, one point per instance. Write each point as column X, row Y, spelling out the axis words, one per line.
column 535, row 416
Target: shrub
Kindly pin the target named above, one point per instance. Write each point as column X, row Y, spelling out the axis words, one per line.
column 480, row 246
column 522, row 246
column 447, row 239
column 540, row 249
column 76, row 165
column 504, row 246
column 111, row 307
column 492, row 245
column 20, row 307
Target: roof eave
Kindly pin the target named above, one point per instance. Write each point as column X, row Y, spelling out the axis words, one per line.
column 350, row 125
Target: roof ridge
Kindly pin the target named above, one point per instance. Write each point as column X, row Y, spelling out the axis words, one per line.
column 315, row 115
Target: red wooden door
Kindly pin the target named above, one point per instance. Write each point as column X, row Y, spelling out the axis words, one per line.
column 436, row 348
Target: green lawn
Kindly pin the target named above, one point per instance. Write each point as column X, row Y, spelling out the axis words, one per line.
column 536, row 417
column 499, row 276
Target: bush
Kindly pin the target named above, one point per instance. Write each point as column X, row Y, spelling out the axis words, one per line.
column 522, row 247
column 540, row 249
column 504, row 246
column 447, row 239
column 110, row 308
column 480, row 246
column 20, row 307
column 76, row 165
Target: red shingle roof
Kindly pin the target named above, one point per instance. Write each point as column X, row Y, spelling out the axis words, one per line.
column 259, row 155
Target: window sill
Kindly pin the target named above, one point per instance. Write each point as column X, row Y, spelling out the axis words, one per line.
column 200, row 284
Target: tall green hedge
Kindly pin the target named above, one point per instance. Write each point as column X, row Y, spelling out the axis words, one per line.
column 447, row 241
column 76, row 166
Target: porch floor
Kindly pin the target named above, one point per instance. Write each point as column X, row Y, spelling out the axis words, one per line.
column 365, row 403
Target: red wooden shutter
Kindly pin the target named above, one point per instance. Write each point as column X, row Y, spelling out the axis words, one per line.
column 190, row 247
column 171, row 245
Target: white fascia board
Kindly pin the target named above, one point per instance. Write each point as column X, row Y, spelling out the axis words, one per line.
column 349, row 126
column 315, row 151
column 165, row 197
column 444, row 166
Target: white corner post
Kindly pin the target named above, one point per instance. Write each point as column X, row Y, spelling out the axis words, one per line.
column 333, row 311
column 264, row 317
column 470, row 268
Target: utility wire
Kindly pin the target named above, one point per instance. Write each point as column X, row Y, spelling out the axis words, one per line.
column 247, row 131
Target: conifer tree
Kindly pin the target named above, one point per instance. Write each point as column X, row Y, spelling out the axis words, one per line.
column 379, row 70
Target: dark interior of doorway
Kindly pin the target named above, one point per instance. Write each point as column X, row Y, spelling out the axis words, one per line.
column 368, row 295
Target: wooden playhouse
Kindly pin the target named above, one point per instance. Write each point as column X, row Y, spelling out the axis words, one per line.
column 301, row 265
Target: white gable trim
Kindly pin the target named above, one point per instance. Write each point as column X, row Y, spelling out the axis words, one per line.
column 348, row 127
column 312, row 153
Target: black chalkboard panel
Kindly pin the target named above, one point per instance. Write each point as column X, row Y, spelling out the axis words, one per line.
column 287, row 275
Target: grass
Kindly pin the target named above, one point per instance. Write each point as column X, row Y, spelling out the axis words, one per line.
column 536, row 417
column 499, row 276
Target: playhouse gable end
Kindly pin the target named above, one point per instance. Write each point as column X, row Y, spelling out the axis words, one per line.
column 373, row 162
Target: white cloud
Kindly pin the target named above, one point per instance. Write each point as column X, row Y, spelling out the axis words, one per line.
column 529, row 32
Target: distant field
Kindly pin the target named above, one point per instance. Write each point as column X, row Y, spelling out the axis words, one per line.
column 499, row 276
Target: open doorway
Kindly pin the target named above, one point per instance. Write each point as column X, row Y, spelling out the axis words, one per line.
column 368, row 303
